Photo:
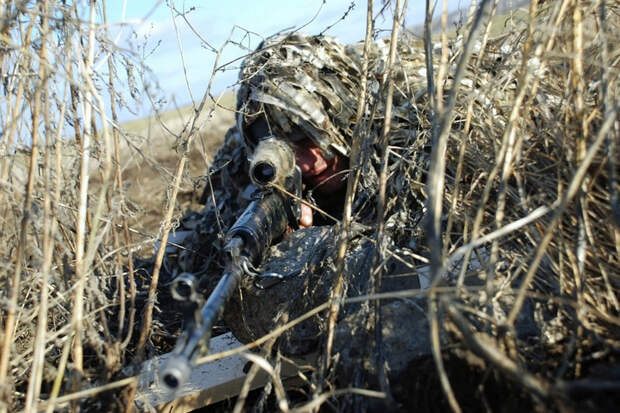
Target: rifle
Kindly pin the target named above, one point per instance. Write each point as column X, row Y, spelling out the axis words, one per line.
column 263, row 221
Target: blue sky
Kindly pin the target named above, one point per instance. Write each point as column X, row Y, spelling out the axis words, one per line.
column 151, row 23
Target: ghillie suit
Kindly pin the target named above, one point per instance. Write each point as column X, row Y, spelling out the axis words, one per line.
column 297, row 87
column 529, row 286
column 325, row 113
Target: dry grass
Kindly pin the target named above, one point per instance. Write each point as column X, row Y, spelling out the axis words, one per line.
column 82, row 196
column 523, row 175
column 149, row 165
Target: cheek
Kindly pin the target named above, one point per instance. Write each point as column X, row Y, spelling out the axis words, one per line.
column 310, row 161
column 332, row 179
column 305, row 160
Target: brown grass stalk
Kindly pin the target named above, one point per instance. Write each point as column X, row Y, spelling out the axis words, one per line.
column 441, row 124
column 125, row 227
column 80, row 269
column 9, row 325
column 559, row 208
column 352, row 182
column 388, row 86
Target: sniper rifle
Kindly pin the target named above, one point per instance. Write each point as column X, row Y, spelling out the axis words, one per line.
column 272, row 168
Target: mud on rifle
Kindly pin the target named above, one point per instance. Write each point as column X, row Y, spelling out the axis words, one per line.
column 263, row 221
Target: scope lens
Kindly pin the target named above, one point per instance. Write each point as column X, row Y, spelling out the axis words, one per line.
column 264, row 173
column 184, row 290
column 183, row 286
column 171, row 381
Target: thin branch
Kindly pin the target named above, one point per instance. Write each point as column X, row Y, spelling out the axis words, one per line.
column 384, row 151
column 80, row 269
column 9, row 324
column 36, row 376
column 352, row 181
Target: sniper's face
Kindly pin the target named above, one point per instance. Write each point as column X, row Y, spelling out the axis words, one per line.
column 319, row 173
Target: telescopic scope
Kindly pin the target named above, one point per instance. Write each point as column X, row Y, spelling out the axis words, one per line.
column 273, row 160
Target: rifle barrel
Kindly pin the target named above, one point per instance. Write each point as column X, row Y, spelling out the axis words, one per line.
column 178, row 368
column 262, row 222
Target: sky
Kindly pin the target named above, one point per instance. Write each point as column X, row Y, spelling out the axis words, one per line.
column 191, row 40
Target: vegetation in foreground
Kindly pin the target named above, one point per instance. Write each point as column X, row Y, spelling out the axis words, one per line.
column 531, row 177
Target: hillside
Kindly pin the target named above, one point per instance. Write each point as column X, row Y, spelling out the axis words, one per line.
column 505, row 12
column 150, row 164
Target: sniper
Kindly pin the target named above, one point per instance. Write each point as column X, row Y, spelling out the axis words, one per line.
column 297, row 116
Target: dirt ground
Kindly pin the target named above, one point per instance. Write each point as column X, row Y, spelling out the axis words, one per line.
column 149, row 174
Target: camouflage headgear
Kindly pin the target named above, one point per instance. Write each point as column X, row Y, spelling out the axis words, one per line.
column 296, row 87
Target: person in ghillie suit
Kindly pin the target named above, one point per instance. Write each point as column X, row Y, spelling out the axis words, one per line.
column 304, row 91
column 500, row 296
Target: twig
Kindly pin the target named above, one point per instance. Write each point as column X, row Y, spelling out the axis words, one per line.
column 245, row 389
column 192, row 28
column 80, row 270
column 581, row 244
column 62, row 365
column 560, row 206
column 275, row 377
column 9, row 324
column 494, row 356
column 440, row 130
column 443, row 65
column 352, row 181
column 180, row 46
column 428, row 58
column 384, row 151
column 36, row 376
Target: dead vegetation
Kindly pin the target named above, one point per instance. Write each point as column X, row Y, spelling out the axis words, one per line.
column 523, row 178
